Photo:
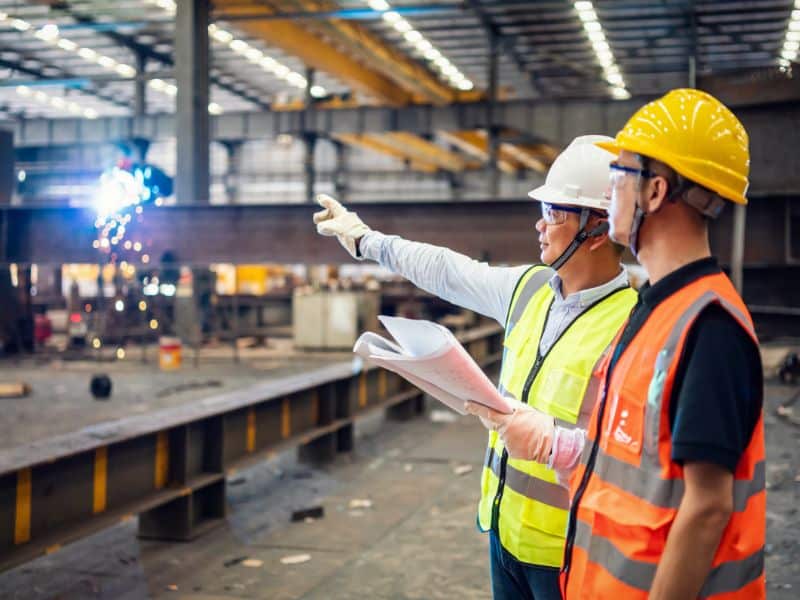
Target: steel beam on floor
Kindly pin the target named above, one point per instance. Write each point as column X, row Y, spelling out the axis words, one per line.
column 170, row 467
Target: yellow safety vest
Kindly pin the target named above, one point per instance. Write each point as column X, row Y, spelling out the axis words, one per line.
column 521, row 500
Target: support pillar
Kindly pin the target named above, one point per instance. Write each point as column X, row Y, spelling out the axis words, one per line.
column 492, row 140
column 140, row 86
column 310, row 138
column 232, row 178
column 737, row 250
column 340, row 187
column 192, row 122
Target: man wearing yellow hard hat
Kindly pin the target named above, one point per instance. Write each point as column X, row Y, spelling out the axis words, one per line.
column 668, row 494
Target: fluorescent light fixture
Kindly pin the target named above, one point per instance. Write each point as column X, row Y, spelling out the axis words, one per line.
column 20, row 25
column 157, row 84
column 222, row 36
column 48, row 33
column 107, row 62
column 402, row 25
column 171, row 89
column 87, row 54
column 239, row 46
column 296, row 79
column 253, row 54
column 597, row 36
column 620, row 93
column 125, row 70
column 268, row 63
column 601, row 46
column 318, row 91
column 465, row 85
column 413, row 36
column 281, row 71
column 791, row 43
column 214, row 108
column 23, row 90
column 67, row 45
column 449, row 73
column 602, row 50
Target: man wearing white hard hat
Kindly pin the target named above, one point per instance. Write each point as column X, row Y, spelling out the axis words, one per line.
column 559, row 317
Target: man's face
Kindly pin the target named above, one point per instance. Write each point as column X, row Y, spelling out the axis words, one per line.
column 623, row 191
column 557, row 228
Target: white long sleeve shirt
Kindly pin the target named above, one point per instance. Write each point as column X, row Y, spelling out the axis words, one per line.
column 476, row 285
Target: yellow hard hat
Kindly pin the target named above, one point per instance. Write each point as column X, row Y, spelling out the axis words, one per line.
column 695, row 134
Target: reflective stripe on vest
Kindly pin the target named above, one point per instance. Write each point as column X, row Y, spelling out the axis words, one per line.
column 532, row 516
column 725, row 578
column 626, row 505
column 527, row 485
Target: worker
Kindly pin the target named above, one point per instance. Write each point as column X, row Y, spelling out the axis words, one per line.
column 668, row 498
column 558, row 319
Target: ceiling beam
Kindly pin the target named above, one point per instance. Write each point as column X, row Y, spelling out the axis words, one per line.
column 375, row 143
column 309, row 47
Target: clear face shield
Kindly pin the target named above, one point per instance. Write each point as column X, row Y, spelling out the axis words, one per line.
column 624, row 215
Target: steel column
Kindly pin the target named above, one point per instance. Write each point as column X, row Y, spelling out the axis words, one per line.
column 309, row 136
column 232, row 178
column 491, row 125
column 737, row 245
column 192, row 75
column 140, row 86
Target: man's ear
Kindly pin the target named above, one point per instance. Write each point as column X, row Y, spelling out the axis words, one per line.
column 655, row 194
column 597, row 241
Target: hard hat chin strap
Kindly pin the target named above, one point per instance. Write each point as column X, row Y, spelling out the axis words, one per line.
column 579, row 238
column 636, row 225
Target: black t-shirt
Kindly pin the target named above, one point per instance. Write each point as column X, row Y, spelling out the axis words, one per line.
column 718, row 391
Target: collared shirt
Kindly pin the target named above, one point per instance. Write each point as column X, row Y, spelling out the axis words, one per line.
column 476, row 285
column 564, row 311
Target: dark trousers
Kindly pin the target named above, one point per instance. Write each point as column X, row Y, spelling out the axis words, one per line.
column 513, row 580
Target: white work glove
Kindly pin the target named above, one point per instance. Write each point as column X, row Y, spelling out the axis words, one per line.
column 337, row 220
column 527, row 433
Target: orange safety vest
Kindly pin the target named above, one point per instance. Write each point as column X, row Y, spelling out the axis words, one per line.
column 627, row 490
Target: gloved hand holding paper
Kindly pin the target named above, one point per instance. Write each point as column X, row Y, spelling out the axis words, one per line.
column 429, row 356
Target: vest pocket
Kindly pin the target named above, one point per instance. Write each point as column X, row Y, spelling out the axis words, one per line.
column 561, row 394
column 625, row 425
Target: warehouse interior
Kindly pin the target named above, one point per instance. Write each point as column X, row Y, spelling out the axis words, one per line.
column 183, row 415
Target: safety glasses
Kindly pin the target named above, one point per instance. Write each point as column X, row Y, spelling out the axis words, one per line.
column 556, row 214
column 617, row 173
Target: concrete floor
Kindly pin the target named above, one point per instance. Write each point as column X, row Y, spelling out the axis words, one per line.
column 417, row 540
column 60, row 388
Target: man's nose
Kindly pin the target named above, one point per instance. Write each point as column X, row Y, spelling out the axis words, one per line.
column 540, row 225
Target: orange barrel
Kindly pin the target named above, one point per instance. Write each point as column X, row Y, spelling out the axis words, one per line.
column 169, row 353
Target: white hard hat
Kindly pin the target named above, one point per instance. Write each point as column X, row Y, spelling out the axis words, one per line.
column 579, row 175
